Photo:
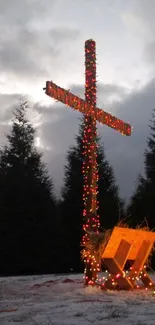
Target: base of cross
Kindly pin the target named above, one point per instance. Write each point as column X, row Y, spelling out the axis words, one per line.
column 90, row 274
column 125, row 247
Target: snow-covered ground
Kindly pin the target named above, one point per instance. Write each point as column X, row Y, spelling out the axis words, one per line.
column 63, row 300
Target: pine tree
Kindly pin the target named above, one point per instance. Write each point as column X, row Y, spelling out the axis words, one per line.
column 137, row 210
column 142, row 202
column 110, row 204
column 27, row 202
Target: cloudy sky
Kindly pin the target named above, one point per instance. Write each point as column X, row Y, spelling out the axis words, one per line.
column 44, row 39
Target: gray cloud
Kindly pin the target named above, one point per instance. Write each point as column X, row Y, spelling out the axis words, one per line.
column 30, row 46
column 150, row 52
column 33, row 53
column 146, row 10
column 8, row 103
column 141, row 19
column 23, row 12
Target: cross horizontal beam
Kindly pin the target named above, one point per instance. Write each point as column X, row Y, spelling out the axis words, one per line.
column 77, row 103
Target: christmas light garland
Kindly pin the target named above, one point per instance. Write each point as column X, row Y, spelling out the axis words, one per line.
column 126, row 274
column 90, row 168
column 66, row 97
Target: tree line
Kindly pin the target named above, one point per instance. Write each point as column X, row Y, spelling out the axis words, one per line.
column 41, row 234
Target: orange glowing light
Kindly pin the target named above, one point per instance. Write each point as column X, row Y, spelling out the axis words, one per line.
column 124, row 245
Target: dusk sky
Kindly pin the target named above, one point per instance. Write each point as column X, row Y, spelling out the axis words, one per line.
column 44, row 40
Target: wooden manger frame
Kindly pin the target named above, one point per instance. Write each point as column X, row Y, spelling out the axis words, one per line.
column 126, row 244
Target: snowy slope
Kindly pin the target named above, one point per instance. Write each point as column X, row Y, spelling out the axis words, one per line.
column 63, row 300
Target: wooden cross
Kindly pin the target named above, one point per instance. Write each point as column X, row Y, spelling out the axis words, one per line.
column 92, row 114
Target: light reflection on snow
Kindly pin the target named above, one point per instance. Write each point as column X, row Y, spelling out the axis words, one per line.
column 63, row 300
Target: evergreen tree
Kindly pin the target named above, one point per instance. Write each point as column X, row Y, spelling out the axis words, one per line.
column 72, row 204
column 27, row 203
column 137, row 210
column 142, row 203
column 111, row 206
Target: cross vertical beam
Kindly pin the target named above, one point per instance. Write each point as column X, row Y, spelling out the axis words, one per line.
column 90, row 170
column 89, row 143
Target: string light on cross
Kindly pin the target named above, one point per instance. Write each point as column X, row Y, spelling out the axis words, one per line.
column 92, row 114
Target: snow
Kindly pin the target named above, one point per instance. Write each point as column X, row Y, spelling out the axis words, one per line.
column 64, row 300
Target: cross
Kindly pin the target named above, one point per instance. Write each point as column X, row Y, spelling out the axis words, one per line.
column 91, row 115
